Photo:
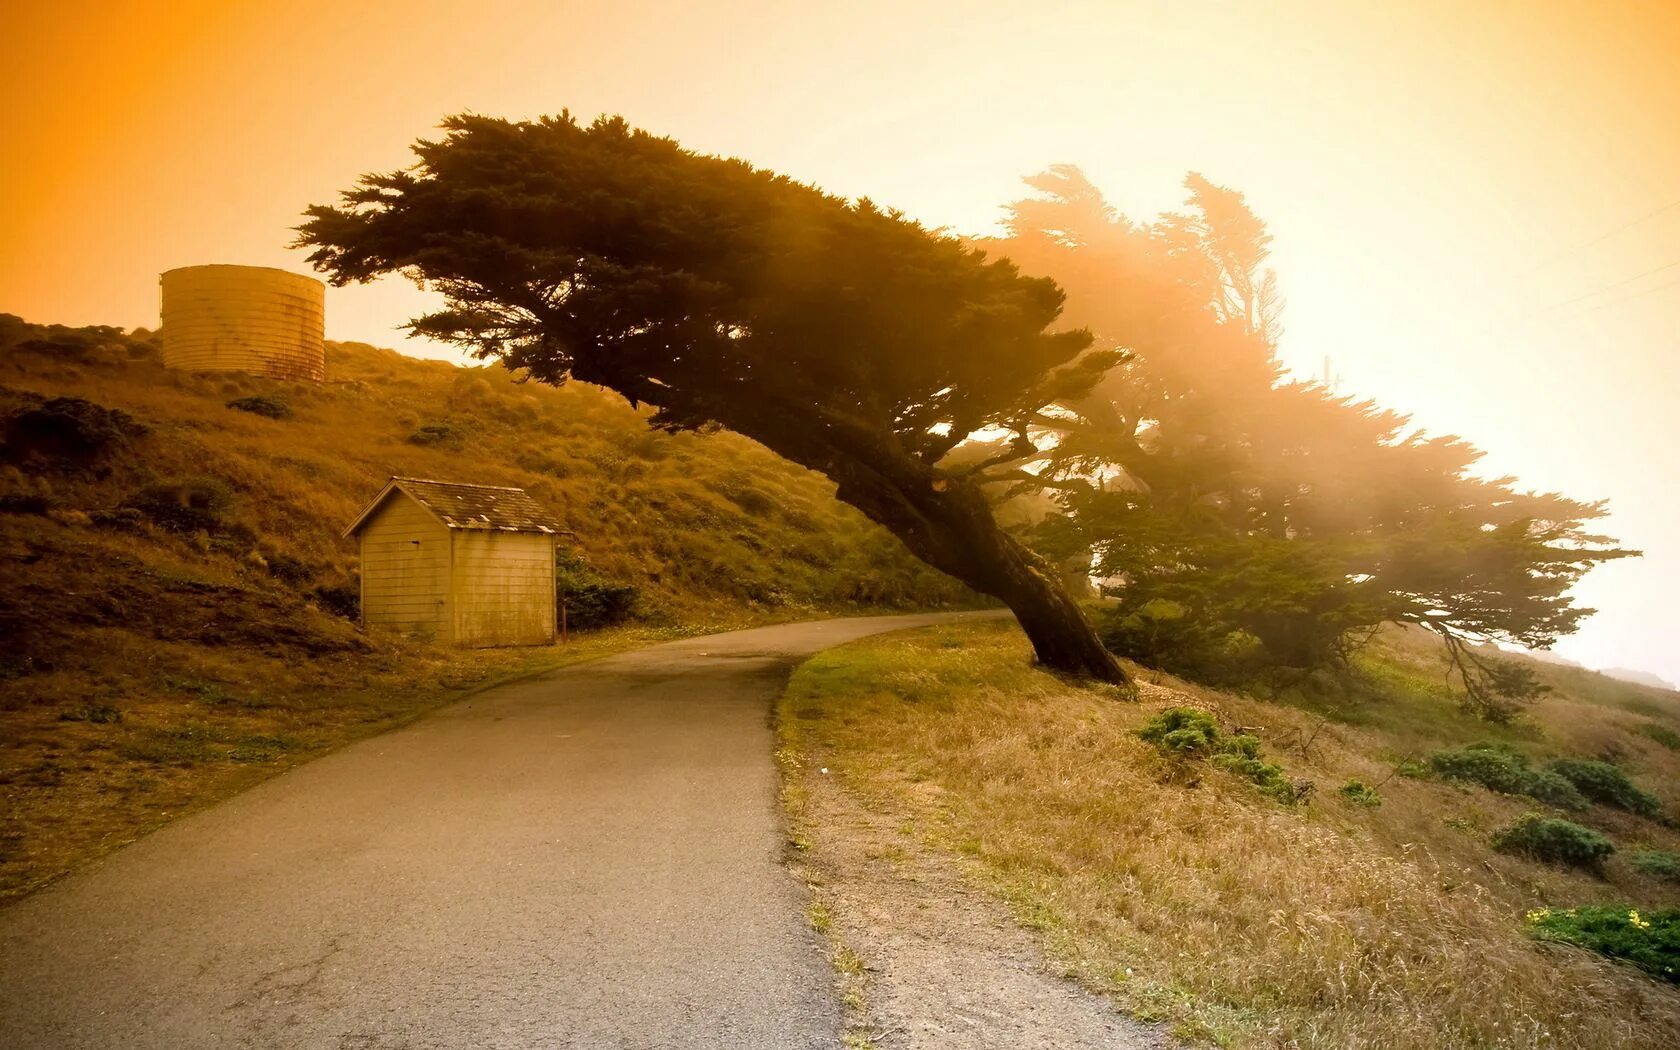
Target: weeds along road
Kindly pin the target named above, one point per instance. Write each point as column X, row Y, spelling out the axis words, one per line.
column 591, row 859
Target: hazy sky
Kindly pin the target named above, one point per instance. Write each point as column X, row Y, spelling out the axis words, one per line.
column 1476, row 206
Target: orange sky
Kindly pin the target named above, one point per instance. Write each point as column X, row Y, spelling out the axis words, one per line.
column 1443, row 179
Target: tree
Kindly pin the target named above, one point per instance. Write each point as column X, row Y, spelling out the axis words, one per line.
column 844, row 337
column 1227, row 502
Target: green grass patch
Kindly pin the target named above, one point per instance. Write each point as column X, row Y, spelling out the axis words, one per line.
column 1661, row 734
column 1660, row 864
column 195, row 744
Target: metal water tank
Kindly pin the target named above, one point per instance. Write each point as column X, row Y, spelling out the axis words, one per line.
column 256, row 319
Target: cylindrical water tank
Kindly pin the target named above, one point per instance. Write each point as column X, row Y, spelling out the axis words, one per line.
column 255, row 319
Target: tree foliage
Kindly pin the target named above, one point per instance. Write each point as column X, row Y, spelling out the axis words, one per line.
column 1224, row 500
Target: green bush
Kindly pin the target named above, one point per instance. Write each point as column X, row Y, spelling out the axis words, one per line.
column 1360, row 793
column 1554, row 841
column 262, row 405
column 1606, row 784
column 68, row 432
column 24, row 503
column 1650, row 941
column 288, row 569
column 588, row 601
column 1554, row 789
column 1183, row 731
column 1658, row 864
column 343, row 599
column 593, row 604
column 187, row 505
column 1160, row 633
column 445, row 434
column 1187, row 733
column 1499, row 767
column 91, row 712
column 1661, row 734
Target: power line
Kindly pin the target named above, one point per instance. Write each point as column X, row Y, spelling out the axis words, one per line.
column 1555, row 307
column 1593, row 242
column 1640, row 294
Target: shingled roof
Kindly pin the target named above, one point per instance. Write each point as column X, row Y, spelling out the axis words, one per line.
column 489, row 508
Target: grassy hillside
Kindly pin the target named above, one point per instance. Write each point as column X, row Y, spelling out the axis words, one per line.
column 1376, row 915
column 176, row 601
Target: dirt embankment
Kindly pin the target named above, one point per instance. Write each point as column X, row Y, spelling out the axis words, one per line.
column 925, row 958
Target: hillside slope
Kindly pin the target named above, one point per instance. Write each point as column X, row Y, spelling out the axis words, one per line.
column 1371, row 906
column 177, row 605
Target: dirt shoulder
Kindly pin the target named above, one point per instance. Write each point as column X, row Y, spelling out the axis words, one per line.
column 925, row 957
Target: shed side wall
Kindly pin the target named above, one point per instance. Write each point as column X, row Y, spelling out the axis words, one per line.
column 504, row 588
column 405, row 570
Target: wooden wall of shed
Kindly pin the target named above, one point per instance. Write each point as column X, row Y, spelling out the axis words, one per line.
column 503, row 590
column 405, row 584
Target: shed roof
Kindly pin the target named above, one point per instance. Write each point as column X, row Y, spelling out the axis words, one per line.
column 459, row 505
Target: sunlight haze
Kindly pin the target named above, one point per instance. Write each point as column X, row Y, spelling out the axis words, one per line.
column 1476, row 213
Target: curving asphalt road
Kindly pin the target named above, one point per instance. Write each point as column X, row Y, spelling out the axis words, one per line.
column 587, row 859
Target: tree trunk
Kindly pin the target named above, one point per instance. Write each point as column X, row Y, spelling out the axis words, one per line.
column 1061, row 636
column 944, row 520
column 948, row 523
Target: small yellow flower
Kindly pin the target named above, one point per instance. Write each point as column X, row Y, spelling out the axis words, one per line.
column 1538, row 914
column 1633, row 917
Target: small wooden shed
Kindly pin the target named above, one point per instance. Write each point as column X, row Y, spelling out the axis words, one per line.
column 469, row 565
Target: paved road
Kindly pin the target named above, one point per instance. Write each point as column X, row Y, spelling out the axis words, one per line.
column 589, row 859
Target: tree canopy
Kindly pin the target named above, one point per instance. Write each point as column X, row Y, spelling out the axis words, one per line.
column 1226, row 501
column 841, row 335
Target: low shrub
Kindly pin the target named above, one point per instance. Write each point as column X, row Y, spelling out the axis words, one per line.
column 1360, row 793
column 1606, row 784
column 1187, row 734
column 1159, row 633
column 180, row 746
column 262, row 405
column 1650, row 940
column 121, row 518
column 593, row 604
column 69, row 432
column 588, row 601
column 1553, row 789
column 188, row 505
column 1656, row 863
column 1554, row 841
column 288, row 569
column 1661, row 734
column 343, row 599
column 1501, row 768
column 444, row 434
column 24, row 503
column 1183, row 731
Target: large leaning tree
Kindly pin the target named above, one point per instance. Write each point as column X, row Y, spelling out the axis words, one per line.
column 846, row 338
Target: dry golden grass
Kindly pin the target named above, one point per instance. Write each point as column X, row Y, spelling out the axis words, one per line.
column 698, row 522
column 1242, row 921
column 144, row 672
